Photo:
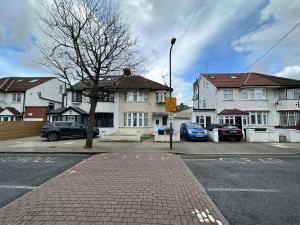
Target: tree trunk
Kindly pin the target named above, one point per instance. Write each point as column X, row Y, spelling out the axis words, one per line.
column 91, row 124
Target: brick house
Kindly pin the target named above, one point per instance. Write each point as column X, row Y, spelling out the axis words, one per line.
column 249, row 100
column 29, row 98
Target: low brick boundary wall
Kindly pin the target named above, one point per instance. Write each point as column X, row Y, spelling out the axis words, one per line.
column 20, row 129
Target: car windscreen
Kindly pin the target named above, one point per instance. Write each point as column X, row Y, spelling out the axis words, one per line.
column 193, row 126
column 230, row 127
column 48, row 125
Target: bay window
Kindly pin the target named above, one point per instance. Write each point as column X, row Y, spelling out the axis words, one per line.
column 289, row 118
column 258, row 118
column 161, row 96
column 226, row 120
column 135, row 119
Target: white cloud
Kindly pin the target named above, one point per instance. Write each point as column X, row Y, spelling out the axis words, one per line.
column 276, row 19
column 290, row 72
column 156, row 22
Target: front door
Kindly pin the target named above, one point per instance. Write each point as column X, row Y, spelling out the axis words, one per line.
column 238, row 121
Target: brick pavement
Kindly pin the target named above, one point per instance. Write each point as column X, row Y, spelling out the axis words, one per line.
column 118, row 188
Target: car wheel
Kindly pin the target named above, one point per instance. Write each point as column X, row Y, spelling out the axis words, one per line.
column 52, row 136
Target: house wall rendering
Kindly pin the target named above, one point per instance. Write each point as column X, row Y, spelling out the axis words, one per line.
column 254, row 100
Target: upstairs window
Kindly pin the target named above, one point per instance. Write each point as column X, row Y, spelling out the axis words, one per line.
column 228, row 94
column 16, row 97
column 161, row 96
column 289, row 94
column 136, row 96
column 77, row 96
column 105, row 96
column 254, row 94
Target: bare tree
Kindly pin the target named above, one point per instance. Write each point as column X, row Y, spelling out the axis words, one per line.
column 86, row 41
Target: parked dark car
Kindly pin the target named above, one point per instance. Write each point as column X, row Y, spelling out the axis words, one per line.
column 193, row 131
column 213, row 126
column 60, row 129
column 230, row 132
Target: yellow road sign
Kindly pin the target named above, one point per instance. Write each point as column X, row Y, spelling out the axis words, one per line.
column 170, row 104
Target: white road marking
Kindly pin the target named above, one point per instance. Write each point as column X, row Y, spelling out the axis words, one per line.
column 253, row 160
column 207, row 218
column 211, row 218
column 200, row 218
column 69, row 143
column 241, row 190
column 219, row 222
column 280, row 145
column 17, row 187
column 199, row 159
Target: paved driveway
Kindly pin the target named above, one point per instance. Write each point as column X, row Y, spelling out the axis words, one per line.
column 22, row 173
column 259, row 190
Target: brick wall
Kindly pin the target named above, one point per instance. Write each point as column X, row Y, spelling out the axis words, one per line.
column 36, row 112
column 19, row 129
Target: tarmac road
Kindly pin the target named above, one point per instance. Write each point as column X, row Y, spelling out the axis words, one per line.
column 249, row 190
column 20, row 173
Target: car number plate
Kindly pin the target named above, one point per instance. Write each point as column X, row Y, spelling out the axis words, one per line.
column 199, row 135
column 233, row 132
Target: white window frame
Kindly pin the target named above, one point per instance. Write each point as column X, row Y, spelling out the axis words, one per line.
column 161, row 96
column 289, row 94
column 258, row 116
column 17, row 97
column 254, row 94
column 136, row 96
column 288, row 114
column 141, row 119
column 228, row 95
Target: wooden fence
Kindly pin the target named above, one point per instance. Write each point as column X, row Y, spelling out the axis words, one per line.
column 20, row 129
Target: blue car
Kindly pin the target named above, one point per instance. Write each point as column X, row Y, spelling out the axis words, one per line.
column 193, row 131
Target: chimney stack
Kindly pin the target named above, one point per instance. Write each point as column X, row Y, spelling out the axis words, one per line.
column 126, row 72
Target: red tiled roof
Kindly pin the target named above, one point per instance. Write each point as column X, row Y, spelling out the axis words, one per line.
column 21, row 84
column 232, row 112
column 12, row 110
column 237, row 80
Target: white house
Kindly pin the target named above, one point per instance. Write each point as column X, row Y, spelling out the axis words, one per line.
column 29, row 98
column 249, row 100
column 126, row 104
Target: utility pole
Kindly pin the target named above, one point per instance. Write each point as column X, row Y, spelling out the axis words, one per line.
column 171, row 125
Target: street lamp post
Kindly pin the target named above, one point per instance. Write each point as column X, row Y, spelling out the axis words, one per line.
column 171, row 125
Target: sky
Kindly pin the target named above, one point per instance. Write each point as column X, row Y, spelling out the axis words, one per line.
column 220, row 37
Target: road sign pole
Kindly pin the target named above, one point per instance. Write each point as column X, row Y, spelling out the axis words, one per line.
column 171, row 124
